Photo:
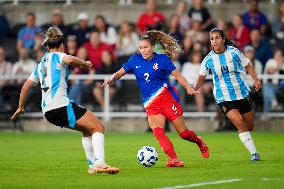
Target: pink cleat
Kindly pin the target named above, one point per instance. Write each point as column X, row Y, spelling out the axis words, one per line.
column 174, row 163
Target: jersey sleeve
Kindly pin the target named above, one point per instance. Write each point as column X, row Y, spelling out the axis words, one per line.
column 129, row 64
column 61, row 56
column 204, row 70
column 243, row 60
column 34, row 75
column 167, row 64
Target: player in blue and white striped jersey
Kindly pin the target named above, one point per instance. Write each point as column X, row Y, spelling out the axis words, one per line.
column 52, row 73
column 227, row 64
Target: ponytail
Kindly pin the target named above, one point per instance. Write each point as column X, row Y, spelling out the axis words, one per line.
column 168, row 44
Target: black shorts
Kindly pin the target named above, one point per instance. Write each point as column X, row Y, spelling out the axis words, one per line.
column 243, row 105
column 65, row 116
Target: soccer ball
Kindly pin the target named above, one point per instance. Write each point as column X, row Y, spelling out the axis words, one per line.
column 147, row 156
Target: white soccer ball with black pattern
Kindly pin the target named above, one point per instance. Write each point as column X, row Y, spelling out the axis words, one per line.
column 147, row 156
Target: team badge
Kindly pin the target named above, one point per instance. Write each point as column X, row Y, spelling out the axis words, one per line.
column 155, row 66
column 224, row 109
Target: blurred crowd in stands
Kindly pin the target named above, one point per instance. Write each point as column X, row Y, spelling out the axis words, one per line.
column 109, row 46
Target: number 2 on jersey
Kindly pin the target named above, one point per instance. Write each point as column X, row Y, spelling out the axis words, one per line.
column 146, row 76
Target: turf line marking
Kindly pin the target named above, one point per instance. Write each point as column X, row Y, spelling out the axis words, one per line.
column 200, row 184
column 268, row 179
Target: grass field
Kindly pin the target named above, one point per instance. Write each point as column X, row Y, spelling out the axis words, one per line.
column 57, row 160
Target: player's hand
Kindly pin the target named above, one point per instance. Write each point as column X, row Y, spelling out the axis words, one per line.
column 17, row 113
column 191, row 91
column 257, row 85
column 89, row 64
column 106, row 82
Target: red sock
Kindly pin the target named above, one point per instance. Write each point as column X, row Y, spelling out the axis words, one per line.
column 164, row 142
column 190, row 136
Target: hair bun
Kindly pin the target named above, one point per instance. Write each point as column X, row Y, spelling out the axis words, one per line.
column 53, row 33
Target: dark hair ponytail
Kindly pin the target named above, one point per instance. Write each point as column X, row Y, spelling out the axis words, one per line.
column 167, row 42
column 227, row 40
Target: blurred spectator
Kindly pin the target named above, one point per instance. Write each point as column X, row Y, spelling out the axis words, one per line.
column 79, row 87
column 200, row 13
column 173, row 27
column 261, row 47
column 150, row 19
column 107, row 68
column 184, row 20
column 222, row 24
column 256, row 64
column 71, row 45
column 57, row 19
column 81, row 30
column 187, row 46
column 40, row 53
column 107, row 32
column 95, row 49
column 24, row 66
column 190, row 70
column 278, row 26
column 5, row 68
column 4, row 26
column 254, row 18
column 38, row 41
column 126, row 44
column 239, row 33
column 273, row 67
column 196, row 32
column 26, row 35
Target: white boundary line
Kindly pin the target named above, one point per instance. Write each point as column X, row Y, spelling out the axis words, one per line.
column 215, row 182
column 200, row 184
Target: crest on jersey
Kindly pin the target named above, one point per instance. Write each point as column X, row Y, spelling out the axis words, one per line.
column 155, row 66
column 224, row 109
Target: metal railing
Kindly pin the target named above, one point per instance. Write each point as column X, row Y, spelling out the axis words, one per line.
column 107, row 114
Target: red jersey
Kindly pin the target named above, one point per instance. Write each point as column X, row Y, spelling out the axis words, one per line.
column 95, row 54
column 149, row 20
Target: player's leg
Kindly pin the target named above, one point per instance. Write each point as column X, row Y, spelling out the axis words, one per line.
column 157, row 124
column 249, row 120
column 244, row 135
column 94, row 126
column 189, row 135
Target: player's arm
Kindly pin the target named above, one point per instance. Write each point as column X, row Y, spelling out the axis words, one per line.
column 116, row 76
column 199, row 82
column 23, row 96
column 74, row 61
column 183, row 82
column 251, row 72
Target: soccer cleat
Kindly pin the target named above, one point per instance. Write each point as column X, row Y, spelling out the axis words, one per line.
column 203, row 148
column 174, row 163
column 96, row 169
column 255, row 157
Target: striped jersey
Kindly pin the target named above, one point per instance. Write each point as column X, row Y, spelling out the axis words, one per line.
column 227, row 69
column 151, row 75
column 52, row 74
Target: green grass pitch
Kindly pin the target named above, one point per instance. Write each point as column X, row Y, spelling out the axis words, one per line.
column 57, row 160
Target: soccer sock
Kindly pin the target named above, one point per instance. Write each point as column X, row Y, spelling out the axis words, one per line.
column 88, row 148
column 165, row 142
column 98, row 142
column 246, row 139
column 190, row 136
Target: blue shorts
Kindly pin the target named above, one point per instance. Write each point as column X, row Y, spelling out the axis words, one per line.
column 65, row 116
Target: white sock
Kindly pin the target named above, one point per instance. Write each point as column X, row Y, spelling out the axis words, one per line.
column 98, row 142
column 88, row 148
column 248, row 142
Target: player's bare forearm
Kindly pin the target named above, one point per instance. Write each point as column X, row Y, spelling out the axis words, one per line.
column 24, row 92
column 74, row 61
column 199, row 82
column 251, row 72
column 117, row 75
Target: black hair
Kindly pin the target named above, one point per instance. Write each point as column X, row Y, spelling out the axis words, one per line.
column 222, row 33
